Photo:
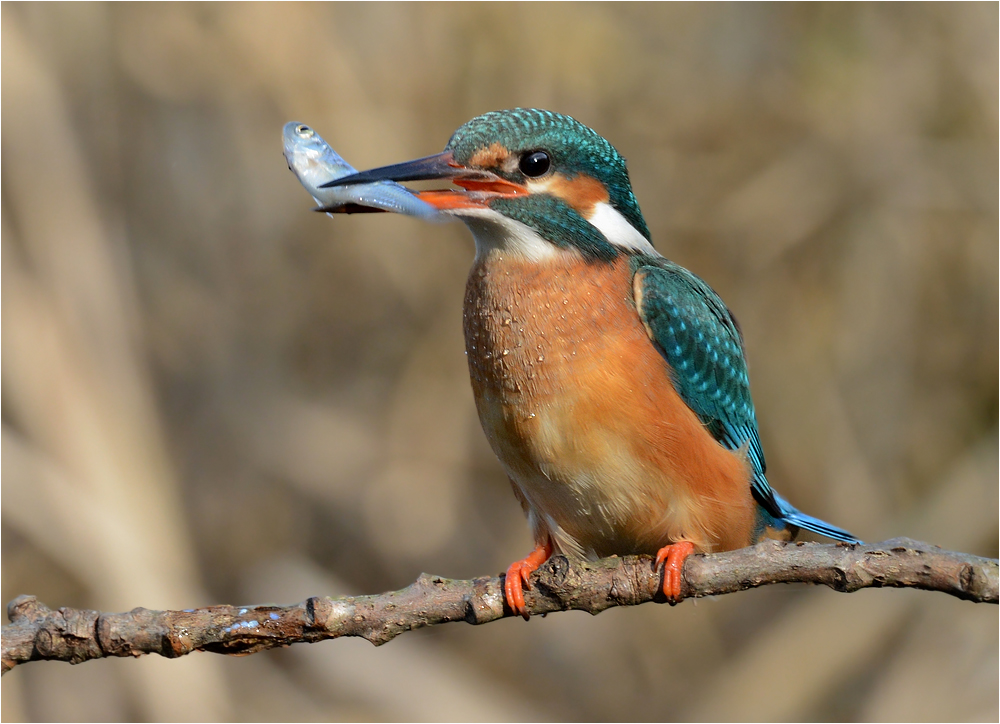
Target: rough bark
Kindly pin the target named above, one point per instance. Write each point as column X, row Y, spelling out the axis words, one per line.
column 74, row 635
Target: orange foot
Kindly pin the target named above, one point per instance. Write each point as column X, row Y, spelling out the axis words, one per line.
column 517, row 575
column 674, row 554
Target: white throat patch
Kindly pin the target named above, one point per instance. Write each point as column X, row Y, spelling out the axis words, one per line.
column 494, row 231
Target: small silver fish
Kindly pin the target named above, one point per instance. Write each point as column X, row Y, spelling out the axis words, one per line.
column 314, row 162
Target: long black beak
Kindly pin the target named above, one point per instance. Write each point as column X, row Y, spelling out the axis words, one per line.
column 441, row 165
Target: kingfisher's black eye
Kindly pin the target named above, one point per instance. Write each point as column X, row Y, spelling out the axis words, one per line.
column 534, row 164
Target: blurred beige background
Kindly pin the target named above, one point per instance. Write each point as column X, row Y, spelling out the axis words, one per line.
column 212, row 394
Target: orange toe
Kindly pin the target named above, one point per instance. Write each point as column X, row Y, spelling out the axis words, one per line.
column 672, row 558
column 517, row 577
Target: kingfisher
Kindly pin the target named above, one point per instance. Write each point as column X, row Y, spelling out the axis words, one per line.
column 611, row 382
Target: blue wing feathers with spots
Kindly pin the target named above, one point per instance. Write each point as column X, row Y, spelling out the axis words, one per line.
column 702, row 343
column 698, row 335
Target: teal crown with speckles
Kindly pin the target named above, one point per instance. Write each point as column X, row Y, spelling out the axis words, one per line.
column 573, row 147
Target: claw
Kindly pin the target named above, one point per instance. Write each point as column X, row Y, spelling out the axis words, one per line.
column 672, row 559
column 517, row 577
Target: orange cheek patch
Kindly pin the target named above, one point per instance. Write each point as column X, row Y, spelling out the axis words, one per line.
column 490, row 157
column 581, row 192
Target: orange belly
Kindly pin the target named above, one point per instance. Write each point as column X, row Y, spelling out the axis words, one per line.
column 578, row 405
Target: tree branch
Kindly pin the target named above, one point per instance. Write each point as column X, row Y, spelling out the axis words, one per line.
column 75, row 635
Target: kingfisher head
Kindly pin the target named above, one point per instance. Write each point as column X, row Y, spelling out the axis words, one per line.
column 533, row 183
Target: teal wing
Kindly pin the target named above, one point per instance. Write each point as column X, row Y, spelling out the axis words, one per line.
column 698, row 336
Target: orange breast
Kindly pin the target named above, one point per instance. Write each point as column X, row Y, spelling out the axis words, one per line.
column 578, row 405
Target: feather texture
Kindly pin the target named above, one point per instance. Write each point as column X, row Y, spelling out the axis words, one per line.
column 701, row 342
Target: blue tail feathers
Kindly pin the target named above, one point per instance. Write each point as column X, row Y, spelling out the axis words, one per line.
column 792, row 516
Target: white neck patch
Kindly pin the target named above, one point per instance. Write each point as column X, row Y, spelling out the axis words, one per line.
column 618, row 231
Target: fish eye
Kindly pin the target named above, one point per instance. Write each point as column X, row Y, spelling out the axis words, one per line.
column 303, row 130
column 534, row 164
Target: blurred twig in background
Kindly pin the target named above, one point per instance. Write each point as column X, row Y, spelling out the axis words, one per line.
column 213, row 394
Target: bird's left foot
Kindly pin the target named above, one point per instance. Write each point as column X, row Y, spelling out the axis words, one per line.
column 517, row 577
column 672, row 559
